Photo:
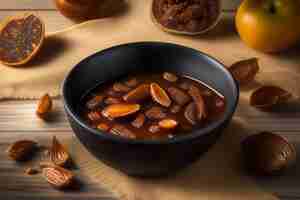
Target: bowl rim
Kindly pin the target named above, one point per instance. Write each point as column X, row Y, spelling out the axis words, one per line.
column 190, row 136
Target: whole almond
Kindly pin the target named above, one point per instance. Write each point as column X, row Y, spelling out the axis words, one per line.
column 44, row 106
column 58, row 153
column 58, row 177
column 21, row 150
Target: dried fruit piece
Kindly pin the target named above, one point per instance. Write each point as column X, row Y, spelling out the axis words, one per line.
column 120, row 110
column 159, row 95
column 21, row 37
column 179, row 96
column 120, row 87
column 31, row 171
column 170, row 77
column 267, row 153
column 244, row 71
column 21, row 150
column 94, row 102
column 112, row 100
column 194, row 92
column 58, row 153
column 94, row 116
column 190, row 113
column 184, row 85
column 138, row 94
column 103, row 127
column 139, row 121
column 58, row 177
column 266, row 97
column 175, row 108
column 133, row 82
column 44, row 106
column 155, row 112
column 121, row 130
column 167, row 123
column 154, row 128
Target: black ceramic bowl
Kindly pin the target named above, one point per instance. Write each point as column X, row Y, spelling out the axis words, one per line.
column 145, row 157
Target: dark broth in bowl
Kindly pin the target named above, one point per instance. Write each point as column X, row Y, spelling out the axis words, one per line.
column 152, row 106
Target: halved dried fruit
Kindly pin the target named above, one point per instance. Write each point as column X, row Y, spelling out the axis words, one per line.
column 244, row 71
column 121, row 130
column 170, row 77
column 190, row 113
column 120, row 110
column 184, row 85
column 175, row 108
column 58, row 153
column 112, row 100
column 167, row 123
column 103, row 127
column 44, row 106
column 94, row 102
column 58, row 177
column 21, row 37
column 133, row 82
column 139, row 121
column 195, row 93
column 120, row 87
column 154, row 128
column 155, row 112
column 94, row 115
column 268, row 96
column 138, row 94
column 21, row 150
column 159, row 95
column 179, row 96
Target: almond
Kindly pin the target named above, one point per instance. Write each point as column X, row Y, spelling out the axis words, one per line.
column 44, row 106
column 245, row 71
column 120, row 110
column 94, row 102
column 138, row 94
column 58, row 177
column 179, row 96
column 190, row 113
column 167, row 123
column 122, row 131
column 120, row 87
column 58, row 153
column 21, row 150
column 159, row 95
column 103, row 127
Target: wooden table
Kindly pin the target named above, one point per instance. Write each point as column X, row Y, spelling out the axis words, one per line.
column 17, row 120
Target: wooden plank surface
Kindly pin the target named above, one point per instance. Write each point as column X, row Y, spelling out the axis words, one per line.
column 17, row 120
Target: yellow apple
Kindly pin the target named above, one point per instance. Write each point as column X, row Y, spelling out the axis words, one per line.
column 269, row 25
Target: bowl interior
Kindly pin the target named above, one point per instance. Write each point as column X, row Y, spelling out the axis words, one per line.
column 115, row 62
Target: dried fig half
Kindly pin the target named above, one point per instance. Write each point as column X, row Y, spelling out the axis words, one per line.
column 58, row 153
column 58, row 177
column 244, row 71
column 195, row 93
column 267, row 97
column 267, row 153
column 21, row 37
column 138, row 94
column 21, row 150
column 120, row 110
column 179, row 96
column 159, row 95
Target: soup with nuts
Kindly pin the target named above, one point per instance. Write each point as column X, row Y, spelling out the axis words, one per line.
column 152, row 106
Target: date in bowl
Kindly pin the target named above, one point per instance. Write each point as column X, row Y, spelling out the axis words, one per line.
column 147, row 157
